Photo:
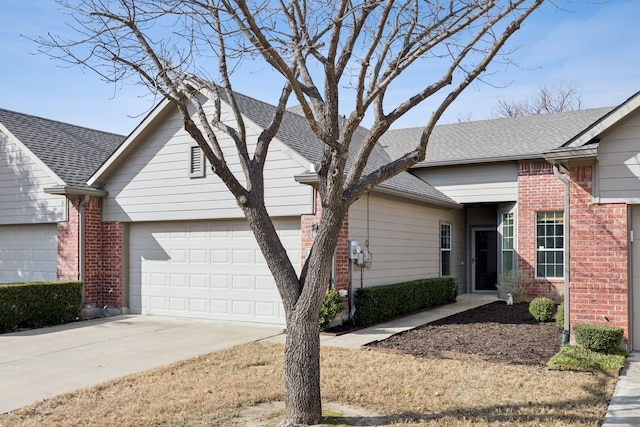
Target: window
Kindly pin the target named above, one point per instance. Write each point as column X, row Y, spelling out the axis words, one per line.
column 445, row 249
column 508, row 255
column 196, row 162
column 549, row 244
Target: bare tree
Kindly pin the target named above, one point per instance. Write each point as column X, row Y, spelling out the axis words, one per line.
column 549, row 99
column 190, row 51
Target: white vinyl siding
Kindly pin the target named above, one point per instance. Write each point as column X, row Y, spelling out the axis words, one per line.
column 404, row 239
column 28, row 252
column 495, row 182
column 153, row 184
column 618, row 168
column 206, row 269
column 22, row 184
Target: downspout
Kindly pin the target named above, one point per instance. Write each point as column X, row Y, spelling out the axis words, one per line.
column 562, row 176
column 81, row 244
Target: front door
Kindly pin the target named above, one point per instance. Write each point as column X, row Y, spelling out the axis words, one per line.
column 485, row 259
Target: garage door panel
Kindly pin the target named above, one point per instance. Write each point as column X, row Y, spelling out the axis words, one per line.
column 212, row 269
column 28, row 252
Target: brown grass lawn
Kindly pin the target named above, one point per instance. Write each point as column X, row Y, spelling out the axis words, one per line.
column 389, row 388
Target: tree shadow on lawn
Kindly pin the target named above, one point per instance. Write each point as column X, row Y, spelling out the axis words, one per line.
column 569, row 412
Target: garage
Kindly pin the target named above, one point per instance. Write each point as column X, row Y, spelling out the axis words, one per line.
column 207, row 269
column 28, row 253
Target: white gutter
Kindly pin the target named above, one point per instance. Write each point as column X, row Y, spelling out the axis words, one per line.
column 561, row 173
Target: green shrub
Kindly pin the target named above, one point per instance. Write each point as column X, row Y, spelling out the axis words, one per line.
column 32, row 305
column 560, row 316
column 542, row 309
column 573, row 357
column 381, row 303
column 600, row 338
column 332, row 305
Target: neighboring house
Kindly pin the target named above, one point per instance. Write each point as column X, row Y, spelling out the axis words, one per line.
column 44, row 167
column 167, row 238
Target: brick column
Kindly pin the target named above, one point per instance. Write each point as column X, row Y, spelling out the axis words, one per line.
column 342, row 248
column 68, row 264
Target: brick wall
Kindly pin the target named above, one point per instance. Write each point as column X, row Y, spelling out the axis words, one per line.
column 68, row 242
column 599, row 253
column 598, row 280
column 538, row 190
column 111, row 251
column 103, row 253
column 342, row 248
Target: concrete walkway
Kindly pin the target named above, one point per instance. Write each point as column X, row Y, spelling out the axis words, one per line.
column 357, row 339
column 624, row 409
column 42, row 363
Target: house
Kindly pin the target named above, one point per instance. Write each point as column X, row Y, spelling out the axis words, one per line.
column 44, row 167
column 551, row 196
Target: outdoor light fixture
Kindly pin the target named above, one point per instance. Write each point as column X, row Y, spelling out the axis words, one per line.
column 314, row 230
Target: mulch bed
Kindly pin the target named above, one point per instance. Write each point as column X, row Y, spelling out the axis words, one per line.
column 494, row 332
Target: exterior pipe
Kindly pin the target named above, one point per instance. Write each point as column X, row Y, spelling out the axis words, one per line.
column 562, row 176
column 81, row 244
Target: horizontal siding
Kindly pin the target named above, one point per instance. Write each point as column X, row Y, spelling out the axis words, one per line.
column 22, row 184
column 618, row 172
column 496, row 182
column 153, row 184
column 404, row 238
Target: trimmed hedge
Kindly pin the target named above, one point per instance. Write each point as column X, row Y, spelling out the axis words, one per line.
column 599, row 338
column 542, row 309
column 381, row 303
column 32, row 305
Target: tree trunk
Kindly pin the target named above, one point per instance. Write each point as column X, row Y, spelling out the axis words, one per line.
column 302, row 370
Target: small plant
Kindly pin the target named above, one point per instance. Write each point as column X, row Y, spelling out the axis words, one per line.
column 542, row 309
column 573, row 357
column 599, row 338
column 513, row 282
column 332, row 305
column 560, row 316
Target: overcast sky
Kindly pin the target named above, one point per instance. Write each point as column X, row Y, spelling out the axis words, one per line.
column 591, row 44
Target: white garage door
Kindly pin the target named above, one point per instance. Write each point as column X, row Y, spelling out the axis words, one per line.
column 208, row 269
column 28, row 253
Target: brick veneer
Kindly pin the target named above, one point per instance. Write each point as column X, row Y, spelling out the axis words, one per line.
column 599, row 254
column 103, row 253
column 598, row 278
column 342, row 248
column 538, row 190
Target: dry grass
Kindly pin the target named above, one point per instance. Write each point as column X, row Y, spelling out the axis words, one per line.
column 213, row 389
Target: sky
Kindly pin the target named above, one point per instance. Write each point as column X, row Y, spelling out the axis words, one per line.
column 593, row 45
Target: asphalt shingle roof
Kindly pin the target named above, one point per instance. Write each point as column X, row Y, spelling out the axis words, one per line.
column 72, row 152
column 297, row 134
column 486, row 140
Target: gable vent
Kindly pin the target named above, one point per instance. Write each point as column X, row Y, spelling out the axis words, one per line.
column 196, row 162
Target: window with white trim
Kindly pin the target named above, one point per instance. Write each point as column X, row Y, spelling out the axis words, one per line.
column 549, row 244
column 196, row 162
column 508, row 241
column 445, row 249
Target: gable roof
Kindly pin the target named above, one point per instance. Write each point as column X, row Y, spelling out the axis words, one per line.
column 295, row 133
column 605, row 122
column 72, row 152
column 494, row 140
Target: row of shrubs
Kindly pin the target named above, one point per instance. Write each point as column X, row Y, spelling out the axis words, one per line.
column 37, row 304
column 382, row 303
column 598, row 338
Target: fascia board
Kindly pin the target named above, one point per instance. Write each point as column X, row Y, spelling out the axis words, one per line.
column 606, row 122
column 31, row 155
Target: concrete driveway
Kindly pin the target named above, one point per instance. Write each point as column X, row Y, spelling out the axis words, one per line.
column 42, row 363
